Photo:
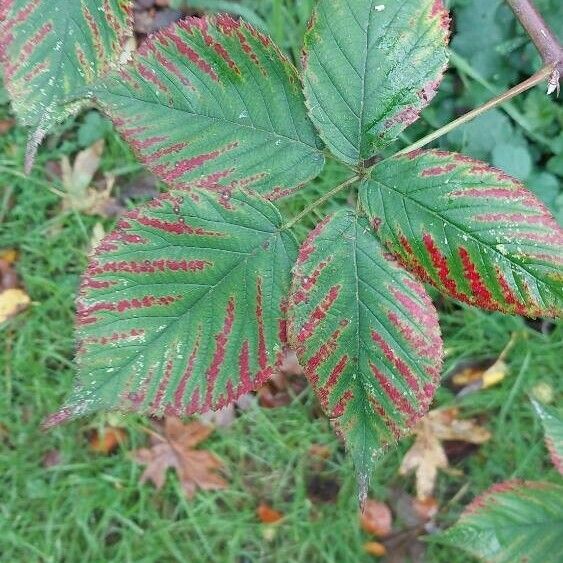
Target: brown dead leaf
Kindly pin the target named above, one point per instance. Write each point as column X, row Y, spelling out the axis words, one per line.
column 427, row 455
column 175, row 449
column 6, row 125
column 267, row 515
column 12, row 302
column 227, row 415
column 77, row 179
column 474, row 374
column 284, row 385
column 376, row 518
column 9, row 255
column 8, row 276
column 375, row 548
column 107, row 440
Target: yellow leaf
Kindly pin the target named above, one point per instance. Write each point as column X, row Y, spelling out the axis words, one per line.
column 9, row 255
column 12, row 301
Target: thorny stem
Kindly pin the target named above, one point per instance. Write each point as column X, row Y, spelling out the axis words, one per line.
column 320, row 201
column 498, row 100
column 544, row 39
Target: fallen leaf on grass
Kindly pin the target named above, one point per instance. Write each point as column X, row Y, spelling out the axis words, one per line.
column 175, row 449
column 9, row 255
column 227, row 415
column 77, row 179
column 107, row 440
column 472, row 375
column 284, row 385
column 427, row 455
column 376, row 518
column 375, row 548
column 6, row 125
column 267, row 515
column 12, row 302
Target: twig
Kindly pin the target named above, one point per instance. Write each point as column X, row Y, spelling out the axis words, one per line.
column 518, row 89
column 544, row 39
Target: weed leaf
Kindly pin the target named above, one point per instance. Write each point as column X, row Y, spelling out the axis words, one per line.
column 213, row 103
column 51, row 49
column 512, row 521
column 366, row 334
column 181, row 309
column 552, row 422
column 471, row 230
column 367, row 75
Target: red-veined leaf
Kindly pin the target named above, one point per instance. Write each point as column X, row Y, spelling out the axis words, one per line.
column 471, row 230
column 552, row 423
column 181, row 309
column 50, row 49
column 213, row 103
column 512, row 521
column 370, row 67
column 366, row 334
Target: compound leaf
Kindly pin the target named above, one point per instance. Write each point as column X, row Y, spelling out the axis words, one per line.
column 474, row 232
column 212, row 103
column 370, row 67
column 512, row 521
column 51, row 48
column 366, row 334
column 181, row 309
column 552, row 423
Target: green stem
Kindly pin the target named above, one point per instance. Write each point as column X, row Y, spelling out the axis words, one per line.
column 463, row 67
column 542, row 74
column 319, row 202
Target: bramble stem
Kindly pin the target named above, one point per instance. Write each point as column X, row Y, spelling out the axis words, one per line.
column 544, row 39
column 319, row 201
column 498, row 100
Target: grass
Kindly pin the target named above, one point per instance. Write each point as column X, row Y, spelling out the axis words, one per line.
column 91, row 508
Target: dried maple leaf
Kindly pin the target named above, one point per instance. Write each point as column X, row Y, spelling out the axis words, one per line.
column 427, row 455
column 175, row 449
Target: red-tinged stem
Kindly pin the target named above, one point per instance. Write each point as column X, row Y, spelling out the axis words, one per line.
column 540, row 33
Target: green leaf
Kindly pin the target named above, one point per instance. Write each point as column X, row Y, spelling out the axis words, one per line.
column 370, row 67
column 181, row 309
column 366, row 334
column 552, row 422
column 469, row 229
column 51, row 48
column 512, row 521
column 213, row 103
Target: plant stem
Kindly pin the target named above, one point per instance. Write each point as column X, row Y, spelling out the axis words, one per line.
column 544, row 39
column 319, row 201
column 463, row 67
column 518, row 89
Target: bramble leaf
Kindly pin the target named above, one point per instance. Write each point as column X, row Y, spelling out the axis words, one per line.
column 181, row 309
column 552, row 423
column 50, row 49
column 512, row 521
column 474, row 232
column 370, row 67
column 366, row 334
column 214, row 104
